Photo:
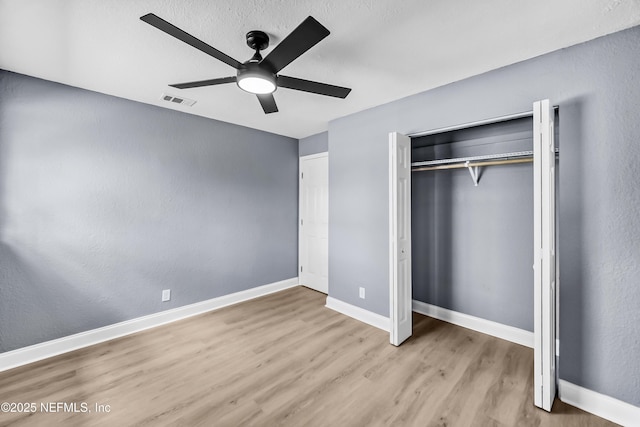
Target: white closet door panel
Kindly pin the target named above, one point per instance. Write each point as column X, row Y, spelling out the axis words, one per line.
column 544, row 255
column 400, row 237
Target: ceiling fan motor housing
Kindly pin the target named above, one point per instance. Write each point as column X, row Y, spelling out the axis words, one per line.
column 252, row 77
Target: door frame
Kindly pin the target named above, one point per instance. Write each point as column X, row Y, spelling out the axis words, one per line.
column 324, row 154
column 546, row 263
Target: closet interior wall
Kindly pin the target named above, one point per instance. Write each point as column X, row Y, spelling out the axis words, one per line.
column 473, row 245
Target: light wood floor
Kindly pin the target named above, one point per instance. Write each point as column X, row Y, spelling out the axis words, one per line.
column 285, row 359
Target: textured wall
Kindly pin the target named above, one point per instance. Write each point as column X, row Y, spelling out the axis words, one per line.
column 105, row 202
column 596, row 86
column 314, row 144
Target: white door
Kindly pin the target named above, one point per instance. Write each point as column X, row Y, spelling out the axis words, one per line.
column 400, row 310
column 544, row 255
column 313, row 255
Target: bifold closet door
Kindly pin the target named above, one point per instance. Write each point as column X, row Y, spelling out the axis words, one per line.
column 544, row 255
column 400, row 310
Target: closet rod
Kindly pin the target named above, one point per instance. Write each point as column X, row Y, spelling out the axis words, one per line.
column 511, row 155
column 500, row 156
column 473, row 124
column 472, row 164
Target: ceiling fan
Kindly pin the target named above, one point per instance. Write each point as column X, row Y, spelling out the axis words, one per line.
column 258, row 75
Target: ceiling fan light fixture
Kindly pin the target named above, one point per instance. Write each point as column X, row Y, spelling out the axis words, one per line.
column 256, row 82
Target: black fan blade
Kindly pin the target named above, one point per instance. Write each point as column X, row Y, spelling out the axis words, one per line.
column 303, row 38
column 268, row 103
column 313, row 87
column 201, row 83
column 176, row 32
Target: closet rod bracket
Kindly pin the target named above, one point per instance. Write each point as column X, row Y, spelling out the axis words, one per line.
column 473, row 170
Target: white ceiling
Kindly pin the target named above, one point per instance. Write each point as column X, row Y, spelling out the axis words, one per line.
column 383, row 49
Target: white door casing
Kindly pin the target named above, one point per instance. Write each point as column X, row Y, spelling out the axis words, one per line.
column 544, row 255
column 313, row 247
column 400, row 297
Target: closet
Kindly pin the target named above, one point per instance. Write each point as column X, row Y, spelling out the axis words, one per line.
column 472, row 245
column 469, row 222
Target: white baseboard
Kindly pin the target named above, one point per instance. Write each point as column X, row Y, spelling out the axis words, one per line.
column 509, row 333
column 358, row 313
column 33, row 353
column 607, row 407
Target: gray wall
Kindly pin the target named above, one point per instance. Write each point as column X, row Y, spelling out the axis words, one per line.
column 473, row 246
column 105, row 202
column 314, row 144
column 596, row 86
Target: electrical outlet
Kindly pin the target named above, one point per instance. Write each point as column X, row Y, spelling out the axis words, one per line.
column 166, row 295
column 361, row 292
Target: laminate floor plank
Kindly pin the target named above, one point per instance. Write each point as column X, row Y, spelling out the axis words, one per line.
column 286, row 360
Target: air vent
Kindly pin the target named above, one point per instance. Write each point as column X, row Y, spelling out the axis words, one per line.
column 176, row 100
